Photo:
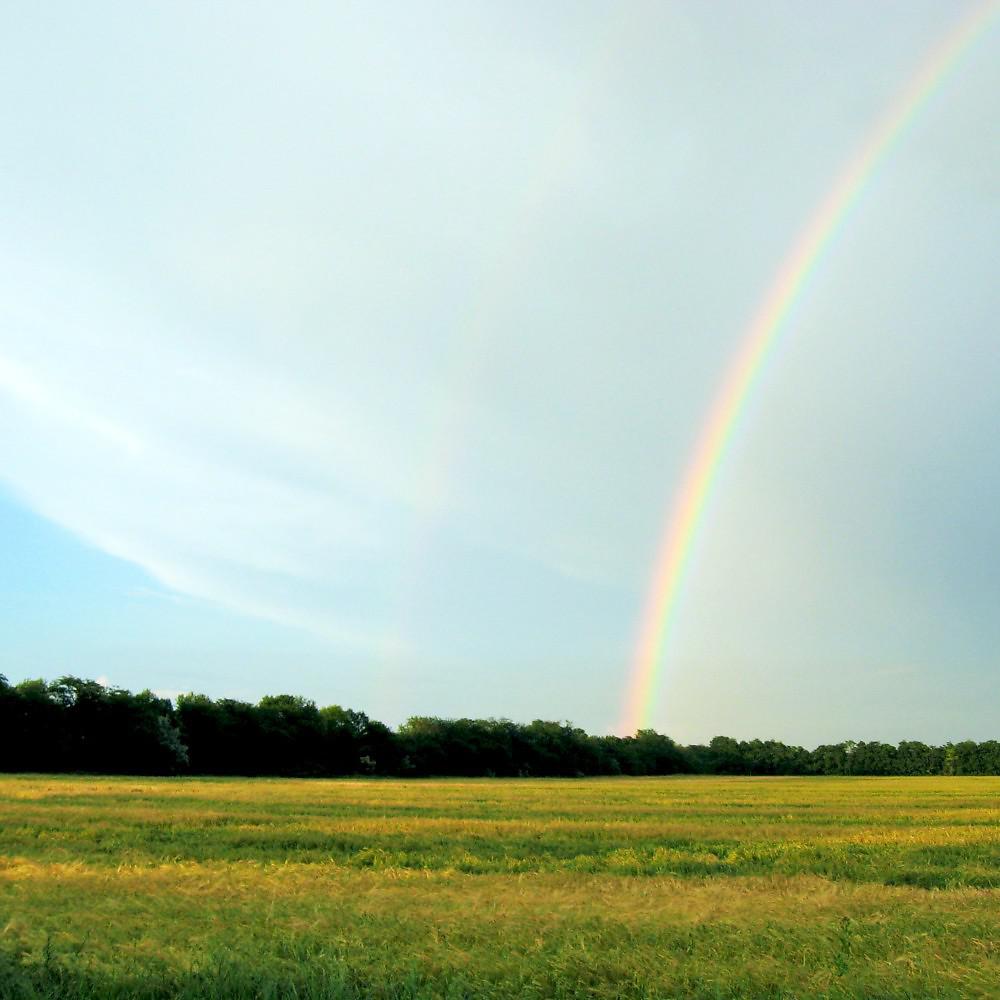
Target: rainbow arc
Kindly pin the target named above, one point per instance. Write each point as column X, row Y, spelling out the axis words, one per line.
column 685, row 517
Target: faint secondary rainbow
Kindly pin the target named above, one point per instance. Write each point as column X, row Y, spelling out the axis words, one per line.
column 451, row 412
column 762, row 334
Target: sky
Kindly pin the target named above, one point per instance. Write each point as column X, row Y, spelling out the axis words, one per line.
column 358, row 352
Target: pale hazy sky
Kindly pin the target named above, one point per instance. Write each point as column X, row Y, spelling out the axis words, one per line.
column 357, row 350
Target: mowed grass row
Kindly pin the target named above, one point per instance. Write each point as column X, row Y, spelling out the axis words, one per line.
column 700, row 887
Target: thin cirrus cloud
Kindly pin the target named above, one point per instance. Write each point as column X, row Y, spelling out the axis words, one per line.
column 283, row 341
column 160, row 457
column 278, row 494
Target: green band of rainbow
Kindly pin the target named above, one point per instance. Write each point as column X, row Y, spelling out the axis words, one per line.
column 685, row 517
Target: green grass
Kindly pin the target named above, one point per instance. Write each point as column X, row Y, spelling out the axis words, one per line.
column 672, row 887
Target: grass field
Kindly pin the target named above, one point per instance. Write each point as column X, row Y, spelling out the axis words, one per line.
column 659, row 887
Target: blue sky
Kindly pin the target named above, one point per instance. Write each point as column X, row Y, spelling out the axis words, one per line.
column 357, row 352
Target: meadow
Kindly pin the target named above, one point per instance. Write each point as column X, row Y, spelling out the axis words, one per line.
column 622, row 887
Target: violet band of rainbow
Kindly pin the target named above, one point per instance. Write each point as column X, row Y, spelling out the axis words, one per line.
column 686, row 514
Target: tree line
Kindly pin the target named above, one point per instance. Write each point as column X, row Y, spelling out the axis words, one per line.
column 76, row 725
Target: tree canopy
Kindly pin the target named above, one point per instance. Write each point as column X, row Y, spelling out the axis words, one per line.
column 76, row 725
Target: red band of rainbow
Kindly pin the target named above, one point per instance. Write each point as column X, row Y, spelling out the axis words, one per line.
column 685, row 517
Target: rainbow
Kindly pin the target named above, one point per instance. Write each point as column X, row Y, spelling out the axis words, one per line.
column 686, row 516
column 452, row 410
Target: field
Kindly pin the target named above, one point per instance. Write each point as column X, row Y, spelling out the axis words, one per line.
column 660, row 887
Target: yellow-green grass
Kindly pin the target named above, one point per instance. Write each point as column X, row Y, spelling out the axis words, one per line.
column 658, row 887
